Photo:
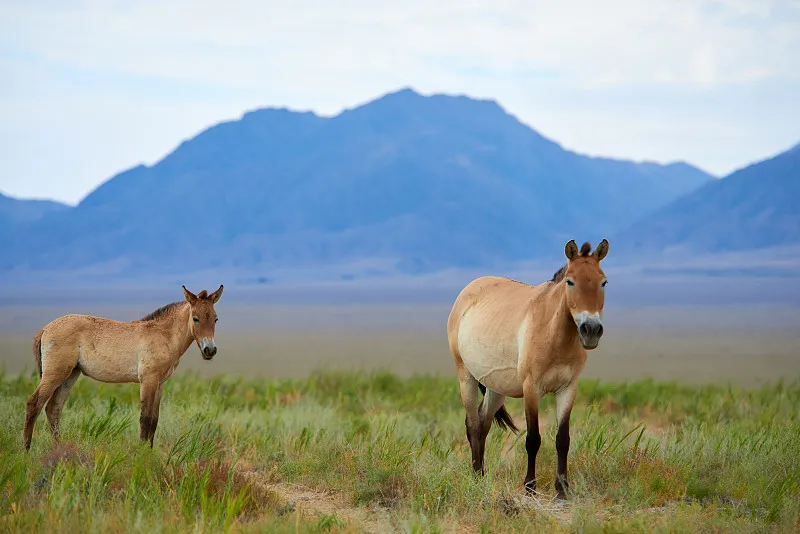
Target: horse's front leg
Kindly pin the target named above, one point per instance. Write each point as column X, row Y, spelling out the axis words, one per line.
column 533, row 439
column 149, row 415
column 564, row 402
column 156, row 410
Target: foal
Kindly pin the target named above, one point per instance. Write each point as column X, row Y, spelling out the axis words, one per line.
column 512, row 339
column 146, row 351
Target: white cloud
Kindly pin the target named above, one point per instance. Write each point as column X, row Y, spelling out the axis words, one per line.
column 107, row 85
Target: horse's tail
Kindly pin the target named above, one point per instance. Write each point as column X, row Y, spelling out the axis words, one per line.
column 502, row 417
column 37, row 350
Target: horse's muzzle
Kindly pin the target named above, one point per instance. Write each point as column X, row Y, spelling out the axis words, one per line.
column 590, row 331
column 207, row 348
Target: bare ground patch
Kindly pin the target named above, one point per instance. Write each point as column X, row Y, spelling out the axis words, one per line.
column 301, row 499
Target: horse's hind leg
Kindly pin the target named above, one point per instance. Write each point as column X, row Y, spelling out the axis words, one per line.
column 56, row 403
column 470, row 397
column 479, row 416
column 480, row 430
column 52, row 378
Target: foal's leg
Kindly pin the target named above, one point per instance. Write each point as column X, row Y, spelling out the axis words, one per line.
column 148, row 391
column 564, row 401
column 533, row 439
column 56, row 403
column 54, row 376
column 156, row 409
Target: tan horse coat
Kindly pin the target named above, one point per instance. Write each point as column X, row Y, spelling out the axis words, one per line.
column 146, row 351
column 513, row 339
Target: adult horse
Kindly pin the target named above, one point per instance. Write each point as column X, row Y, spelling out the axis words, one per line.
column 512, row 339
column 146, row 351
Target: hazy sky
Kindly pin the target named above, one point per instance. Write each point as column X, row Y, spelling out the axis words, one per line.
column 92, row 88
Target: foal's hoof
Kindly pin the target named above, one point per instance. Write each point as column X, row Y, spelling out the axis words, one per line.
column 530, row 487
column 561, row 496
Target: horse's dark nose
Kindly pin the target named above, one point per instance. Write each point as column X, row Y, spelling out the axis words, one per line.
column 590, row 333
column 591, row 329
column 209, row 352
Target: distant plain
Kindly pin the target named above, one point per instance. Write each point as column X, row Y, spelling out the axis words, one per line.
column 692, row 330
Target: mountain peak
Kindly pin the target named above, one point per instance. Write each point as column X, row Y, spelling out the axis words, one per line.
column 406, row 179
column 277, row 113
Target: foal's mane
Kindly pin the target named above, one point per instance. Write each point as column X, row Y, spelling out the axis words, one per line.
column 559, row 275
column 161, row 312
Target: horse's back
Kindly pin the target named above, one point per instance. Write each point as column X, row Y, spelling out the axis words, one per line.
column 76, row 325
column 484, row 330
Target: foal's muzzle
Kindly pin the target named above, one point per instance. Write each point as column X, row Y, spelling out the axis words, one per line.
column 207, row 348
column 590, row 331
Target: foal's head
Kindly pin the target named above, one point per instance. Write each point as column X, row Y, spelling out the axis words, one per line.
column 585, row 285
column 204, row 319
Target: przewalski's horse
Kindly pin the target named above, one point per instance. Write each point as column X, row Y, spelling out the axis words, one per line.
column 146, row 351
column 512, row 339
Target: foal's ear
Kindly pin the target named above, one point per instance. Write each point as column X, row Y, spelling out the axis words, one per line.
column 216, row 295
column 601, row 251
column 571, row 250
column 190, row 297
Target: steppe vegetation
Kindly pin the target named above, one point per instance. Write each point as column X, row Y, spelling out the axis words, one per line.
column 370, row 451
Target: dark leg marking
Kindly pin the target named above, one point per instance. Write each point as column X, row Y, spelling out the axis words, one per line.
column 562, row 447
column 532, row 443
column 30, row 418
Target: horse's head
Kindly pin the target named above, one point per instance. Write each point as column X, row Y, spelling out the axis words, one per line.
column 203, row 319
column 585, row 285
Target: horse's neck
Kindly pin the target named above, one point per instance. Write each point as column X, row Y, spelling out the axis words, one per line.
column 562, row 325
column 181, row 332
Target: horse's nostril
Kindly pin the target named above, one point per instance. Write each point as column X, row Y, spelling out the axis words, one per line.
column 584, row 329
column 599, row 330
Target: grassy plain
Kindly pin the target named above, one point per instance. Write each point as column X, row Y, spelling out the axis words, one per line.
column 371, row 451
column 688, row 419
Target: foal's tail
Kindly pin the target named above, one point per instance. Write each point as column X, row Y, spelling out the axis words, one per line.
column 37, row 350
column 502, row 417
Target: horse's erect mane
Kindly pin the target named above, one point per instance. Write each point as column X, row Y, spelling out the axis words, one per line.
column 161, row 312
column 559, row 275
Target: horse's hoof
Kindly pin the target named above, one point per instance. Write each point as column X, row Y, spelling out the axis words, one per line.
column 530, row 487
column 561, row 496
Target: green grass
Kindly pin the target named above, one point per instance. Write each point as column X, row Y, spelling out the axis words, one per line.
column 359, row 451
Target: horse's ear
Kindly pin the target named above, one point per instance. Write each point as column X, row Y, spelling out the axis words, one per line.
column 190, row 297
column 216, row 295
column 601, row 251
column 571, row 250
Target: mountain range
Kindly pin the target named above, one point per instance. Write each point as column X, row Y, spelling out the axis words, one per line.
column 14, row 211
column 411, row 182
column 756, row 207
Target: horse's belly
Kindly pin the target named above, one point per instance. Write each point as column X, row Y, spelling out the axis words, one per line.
column 493, row 363
column 109, row 367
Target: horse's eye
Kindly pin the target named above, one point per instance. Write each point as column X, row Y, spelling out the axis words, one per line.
column 216, row 319
column 604, row 283
column 197, row 319
column 570, row 283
